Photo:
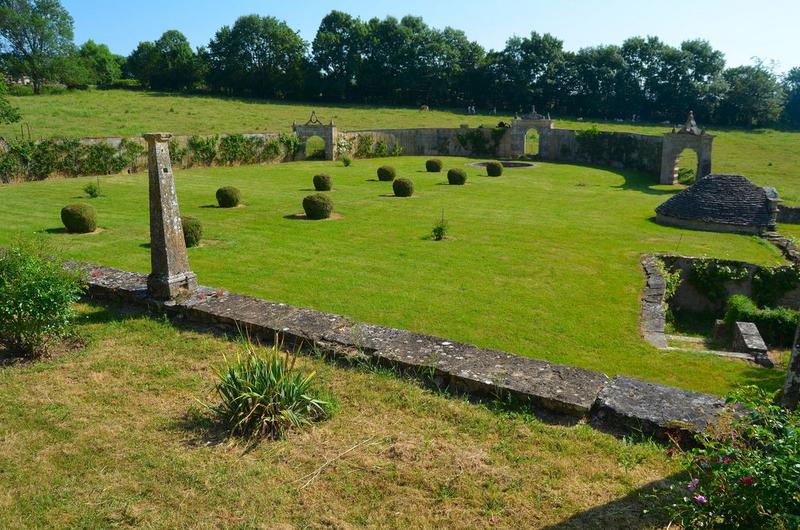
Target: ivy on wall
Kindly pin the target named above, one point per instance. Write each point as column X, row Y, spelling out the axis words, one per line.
column 476, row 142
column 709, row 277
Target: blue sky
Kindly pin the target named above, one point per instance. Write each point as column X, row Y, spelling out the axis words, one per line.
column 769, row 29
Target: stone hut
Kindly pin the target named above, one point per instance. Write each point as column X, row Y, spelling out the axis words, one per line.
column 722, row 203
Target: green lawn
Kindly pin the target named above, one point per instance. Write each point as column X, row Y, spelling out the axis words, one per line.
column 112, row 437
column 768, row 157
column 543, row 262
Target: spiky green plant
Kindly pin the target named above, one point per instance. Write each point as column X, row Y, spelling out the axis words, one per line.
column 265, row 396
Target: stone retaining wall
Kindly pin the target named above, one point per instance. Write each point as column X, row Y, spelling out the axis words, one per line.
column 788, row 215
column 618, row 150
column 689, row 298
column 619, row 404
column 438, row 141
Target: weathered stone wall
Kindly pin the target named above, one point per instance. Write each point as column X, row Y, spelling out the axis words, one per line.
column 440, row 141
column 788, row 215
column 614, row 149
column 690, row 298
column 694, row 224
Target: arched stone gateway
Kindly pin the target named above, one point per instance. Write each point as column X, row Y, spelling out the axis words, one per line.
column 314, row 127
column 675, row 142
column 521, row 126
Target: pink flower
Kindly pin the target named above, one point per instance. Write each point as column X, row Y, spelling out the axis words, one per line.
column 727, row 460
column 201, row 296
column 96, row 274
column 747, row 481
column 700, row 499
column 691, row 486
column 220, row 293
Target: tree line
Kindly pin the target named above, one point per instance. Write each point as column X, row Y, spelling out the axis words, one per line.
column 407, row 62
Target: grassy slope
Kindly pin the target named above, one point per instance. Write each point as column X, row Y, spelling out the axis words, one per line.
column 108, row 438
column 544, row 261
column 768, row 157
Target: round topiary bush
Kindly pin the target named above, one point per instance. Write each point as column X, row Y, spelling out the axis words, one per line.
column 79, row 218
column 457, row 177
column 434, row 165
column 386, row 173
column 494, row 169
column 322, row 182
column 318, row 206
column 192, row 230
column 403, row 187
column 228, row 197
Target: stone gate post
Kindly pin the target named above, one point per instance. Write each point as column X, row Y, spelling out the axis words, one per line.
column 170, row 276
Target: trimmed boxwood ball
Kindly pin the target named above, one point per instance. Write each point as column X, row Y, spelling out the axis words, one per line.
column 192, row 230
column 457, row 177
column 434, row 165
column 318, row 206
column 228, row 197
column 79, row 218
column 386, row 173
column 403, row 187
column 494, row 169
column 322, row 182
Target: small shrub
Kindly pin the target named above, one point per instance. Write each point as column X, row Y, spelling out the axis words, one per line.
column 494, row 169
column 347, row 161
column 228, row 197
column 192, row 230
column 745, row 475
column 433, row 165
column 686, row 176
column 439, row 231
column 266, row 396
column 386, row 173
column 457, row 177
column 79, row 218
column 322, row 182
column 776, row 326
column 318, row 206
column 36, row 298
column 92, row 190
column 403, row 187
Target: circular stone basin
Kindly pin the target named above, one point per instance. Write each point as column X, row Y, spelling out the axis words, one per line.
column 505, row 164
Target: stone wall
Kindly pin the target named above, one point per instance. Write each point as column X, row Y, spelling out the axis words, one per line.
column 440, row 141
column 613, row 149
column 788, row 215
column 691, row 299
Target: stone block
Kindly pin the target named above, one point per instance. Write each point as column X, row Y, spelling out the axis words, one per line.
column 747, row 339
column 631, row 405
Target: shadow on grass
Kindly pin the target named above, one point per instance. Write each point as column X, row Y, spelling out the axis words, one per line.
column 60, row 230
column 628, row 511
column 201, row 429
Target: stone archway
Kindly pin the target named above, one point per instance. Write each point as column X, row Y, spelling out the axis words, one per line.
column 521, row 126
column 314, row 127
column 675, row 142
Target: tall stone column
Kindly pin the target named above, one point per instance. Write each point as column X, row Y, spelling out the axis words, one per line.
column 791, row 388
column 170, row 276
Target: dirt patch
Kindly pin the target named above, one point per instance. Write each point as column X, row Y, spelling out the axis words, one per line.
column 302, row 217
column 63, row 347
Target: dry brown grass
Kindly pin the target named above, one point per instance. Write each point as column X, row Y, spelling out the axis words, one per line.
column 114, row 436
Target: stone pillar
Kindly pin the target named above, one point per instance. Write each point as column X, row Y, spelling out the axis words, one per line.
column 791, row 388
column 170, row 276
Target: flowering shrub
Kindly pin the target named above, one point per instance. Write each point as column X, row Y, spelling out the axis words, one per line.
column 747, row 476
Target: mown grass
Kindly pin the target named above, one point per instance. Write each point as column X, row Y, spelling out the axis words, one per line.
column 543, row 262
column 113, row 436
column 766, row 156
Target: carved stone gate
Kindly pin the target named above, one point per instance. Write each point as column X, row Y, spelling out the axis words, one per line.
column 314, row 127
column 675, row 142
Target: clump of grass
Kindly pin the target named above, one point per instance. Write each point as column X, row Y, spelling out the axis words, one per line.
column 265, row 396
column 439, row 231
column 347, row 160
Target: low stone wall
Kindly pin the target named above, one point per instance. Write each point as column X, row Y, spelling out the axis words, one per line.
column 788, row 215
column 619, row 404
column 654, row 313
column 618, row 150
column 439, row 141
column 689, row 298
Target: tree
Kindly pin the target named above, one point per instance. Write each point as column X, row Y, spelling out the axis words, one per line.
column 34, row 33
column 754, row 98
column 166, row 64
column 336, row 52
column 791, row 86
column 8, row 114
column 259, row 55
column 101, row 63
